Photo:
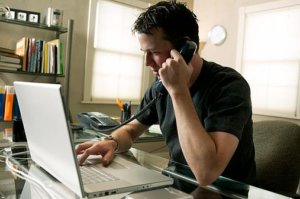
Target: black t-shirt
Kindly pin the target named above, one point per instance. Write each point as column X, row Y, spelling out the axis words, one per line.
column 222, row 100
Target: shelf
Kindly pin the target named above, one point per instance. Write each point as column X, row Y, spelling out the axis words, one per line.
column 5, row 124
column 30, row 73
column 57, row 29
column 8, row 122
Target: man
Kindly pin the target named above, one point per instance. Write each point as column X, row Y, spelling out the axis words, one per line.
column 205, row 116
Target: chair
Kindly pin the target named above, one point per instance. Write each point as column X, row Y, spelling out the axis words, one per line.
column 277, row 151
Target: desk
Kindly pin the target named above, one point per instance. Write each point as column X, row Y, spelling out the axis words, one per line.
column 15, row 187
column 149, row 142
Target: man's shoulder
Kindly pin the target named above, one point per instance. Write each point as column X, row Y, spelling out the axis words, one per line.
column 213, row 67
column 220, row 72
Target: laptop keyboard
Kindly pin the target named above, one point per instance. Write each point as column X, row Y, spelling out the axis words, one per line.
column 92, row 174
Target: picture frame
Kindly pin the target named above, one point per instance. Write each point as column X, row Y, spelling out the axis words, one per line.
column 11, row 14
column 21, row 15
column 33, row 17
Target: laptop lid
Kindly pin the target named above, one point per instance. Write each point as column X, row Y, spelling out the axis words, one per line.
column 47, row 131
column 51, row 145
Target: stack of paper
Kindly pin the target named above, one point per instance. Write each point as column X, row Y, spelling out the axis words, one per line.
column 155, row 129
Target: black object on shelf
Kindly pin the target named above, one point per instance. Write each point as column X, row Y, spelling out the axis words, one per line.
column 18, row 131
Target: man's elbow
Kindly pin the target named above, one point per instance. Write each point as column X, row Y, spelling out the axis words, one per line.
column 206, row 179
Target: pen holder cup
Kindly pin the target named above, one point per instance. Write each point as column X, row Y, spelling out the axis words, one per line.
column 125, row 115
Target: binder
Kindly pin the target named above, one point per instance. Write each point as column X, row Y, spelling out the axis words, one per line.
column 16, row 110
column 2, row 102
column 9, row 101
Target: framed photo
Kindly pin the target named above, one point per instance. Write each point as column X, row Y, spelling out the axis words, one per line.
column 22, row 15
column 10, row 14
column 33, row 17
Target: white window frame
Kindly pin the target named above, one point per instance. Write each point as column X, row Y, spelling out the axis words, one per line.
column 145, row 80
column 243, row 13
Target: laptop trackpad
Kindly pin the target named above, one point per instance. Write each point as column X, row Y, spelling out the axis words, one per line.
column 115, row 165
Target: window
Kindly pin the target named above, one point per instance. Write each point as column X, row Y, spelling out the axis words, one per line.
column 114, row 62
column 269, row 56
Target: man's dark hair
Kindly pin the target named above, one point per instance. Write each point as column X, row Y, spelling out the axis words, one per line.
column 174, row 18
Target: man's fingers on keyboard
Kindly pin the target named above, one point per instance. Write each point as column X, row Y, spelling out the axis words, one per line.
column 107, row 158
column 83, row 157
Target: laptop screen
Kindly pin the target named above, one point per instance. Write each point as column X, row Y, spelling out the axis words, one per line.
column 47, row 131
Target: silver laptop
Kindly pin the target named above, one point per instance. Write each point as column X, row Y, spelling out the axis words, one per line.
column 51, row 146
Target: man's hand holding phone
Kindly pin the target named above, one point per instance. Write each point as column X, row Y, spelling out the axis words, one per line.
column 175, row 73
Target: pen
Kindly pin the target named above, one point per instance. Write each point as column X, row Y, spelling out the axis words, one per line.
column 120, row 104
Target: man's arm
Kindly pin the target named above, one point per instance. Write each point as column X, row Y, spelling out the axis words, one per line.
column 207, row 154
column 124, row 137
column 128, row 133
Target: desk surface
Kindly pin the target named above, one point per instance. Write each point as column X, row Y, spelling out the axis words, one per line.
column 12, row 186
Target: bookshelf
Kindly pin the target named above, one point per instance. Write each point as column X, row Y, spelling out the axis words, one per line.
column 67, row 54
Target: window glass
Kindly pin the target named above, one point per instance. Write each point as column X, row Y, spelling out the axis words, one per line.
column 114, row 66
column 269, row 57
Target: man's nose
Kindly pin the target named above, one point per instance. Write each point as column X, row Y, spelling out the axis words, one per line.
column 148, row 59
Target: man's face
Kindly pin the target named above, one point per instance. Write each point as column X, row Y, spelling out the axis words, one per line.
column 156, row 49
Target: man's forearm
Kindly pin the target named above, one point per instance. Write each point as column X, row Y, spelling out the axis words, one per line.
column 127, row 134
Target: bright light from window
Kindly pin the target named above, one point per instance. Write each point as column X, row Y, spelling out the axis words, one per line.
column 114, row 66
column 270, row 58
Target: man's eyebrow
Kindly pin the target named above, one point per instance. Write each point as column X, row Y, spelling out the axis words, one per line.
column 147, row 50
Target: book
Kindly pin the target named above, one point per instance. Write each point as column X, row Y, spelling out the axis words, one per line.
column 8, row 68
column 9, row 101
column 10, row 65
column 32, row 56
column 39, row 55
column 21, row 50
column 7, row 50
column 52, row 58
column 10, row 58
column 29, row 50
column 2, row 101
column 57, row 56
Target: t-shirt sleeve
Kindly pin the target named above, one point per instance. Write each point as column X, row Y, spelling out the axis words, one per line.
column 229, row 108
